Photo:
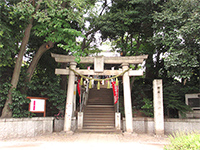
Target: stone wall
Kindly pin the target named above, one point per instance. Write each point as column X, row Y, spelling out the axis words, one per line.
column 146, row 125
column 187, row 125
column 25, row 127
column 59, row 125
column 29, row 127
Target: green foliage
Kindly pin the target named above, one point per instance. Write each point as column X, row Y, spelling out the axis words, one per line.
column 141, row 90
column 4, row 88
column 59, row 24
column 177, row 35
column 41, row 86
column 183, row 141
column 48, row 87
column 20, row 105
column 57, row 21
column 173, row 96
column 56, row 95
column 147, row 108
column 9, row 35
column 23, row 10
column 128, row 24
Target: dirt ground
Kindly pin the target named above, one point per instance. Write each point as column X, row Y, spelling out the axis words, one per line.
column 89, row 141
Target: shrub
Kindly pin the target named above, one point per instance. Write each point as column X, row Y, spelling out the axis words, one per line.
column 184, row 141
column 147, row 108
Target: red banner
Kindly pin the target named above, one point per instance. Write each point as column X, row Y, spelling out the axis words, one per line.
column 79, row 89
column 115, row 91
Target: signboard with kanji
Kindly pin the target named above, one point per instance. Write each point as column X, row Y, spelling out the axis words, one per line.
column 37, row 105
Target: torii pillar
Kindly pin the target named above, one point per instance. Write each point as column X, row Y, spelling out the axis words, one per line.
column 70, row 97
column 127, row 99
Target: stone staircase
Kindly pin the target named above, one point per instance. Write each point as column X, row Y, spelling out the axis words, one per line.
column 99, row 113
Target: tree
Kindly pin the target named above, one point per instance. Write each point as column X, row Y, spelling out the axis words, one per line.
column 167, row 31
column 176, row 36
column 51, row 19
column 8, row 49
column 177, row 32
column 7, row 112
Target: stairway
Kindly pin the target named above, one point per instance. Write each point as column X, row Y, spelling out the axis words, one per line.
column 99, row 113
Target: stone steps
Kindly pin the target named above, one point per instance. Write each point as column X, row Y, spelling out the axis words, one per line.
column 99, row 113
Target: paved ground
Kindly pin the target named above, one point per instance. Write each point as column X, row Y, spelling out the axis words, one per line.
column 91, row 141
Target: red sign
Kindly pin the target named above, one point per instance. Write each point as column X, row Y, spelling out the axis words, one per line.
column 115, row 91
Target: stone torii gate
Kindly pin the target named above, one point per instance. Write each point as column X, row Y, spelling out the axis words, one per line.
column 99, row 62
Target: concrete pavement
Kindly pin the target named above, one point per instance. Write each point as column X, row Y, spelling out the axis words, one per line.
column 89, row 141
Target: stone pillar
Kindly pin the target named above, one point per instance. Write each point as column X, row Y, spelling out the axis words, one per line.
column 80, row 120
column 158, row 107
column 118, row 121
column 127, row 99
column 70, row 97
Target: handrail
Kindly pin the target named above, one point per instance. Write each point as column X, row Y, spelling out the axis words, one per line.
column 117, row 106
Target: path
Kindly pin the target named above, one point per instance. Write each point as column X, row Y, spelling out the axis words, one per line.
column 79, row 141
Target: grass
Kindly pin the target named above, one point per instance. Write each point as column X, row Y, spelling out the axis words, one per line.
column 184, row 141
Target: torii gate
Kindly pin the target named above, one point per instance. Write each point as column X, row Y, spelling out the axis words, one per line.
column 99, row 62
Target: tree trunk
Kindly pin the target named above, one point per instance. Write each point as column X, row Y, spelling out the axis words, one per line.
column 42, row 49
column 7, row 112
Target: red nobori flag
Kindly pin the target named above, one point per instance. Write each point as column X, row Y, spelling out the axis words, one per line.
column 115, row 91
column 79, row 90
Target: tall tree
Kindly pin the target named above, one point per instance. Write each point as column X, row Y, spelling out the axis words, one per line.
column 52, row 20
column 7, row 112
column 177, row 34
column 129, row 25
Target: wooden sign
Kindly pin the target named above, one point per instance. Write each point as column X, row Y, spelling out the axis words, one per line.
column 37, row 105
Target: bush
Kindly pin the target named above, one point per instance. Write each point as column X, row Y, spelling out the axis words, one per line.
column 147, row 108
column 183, row 141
